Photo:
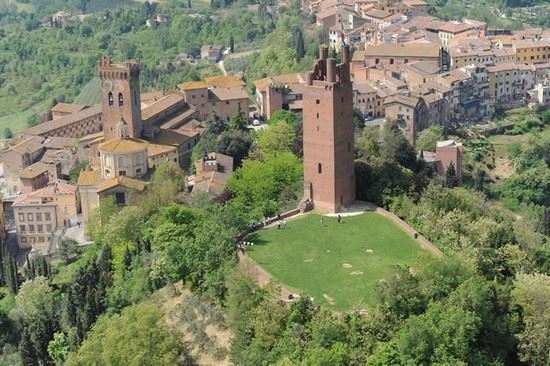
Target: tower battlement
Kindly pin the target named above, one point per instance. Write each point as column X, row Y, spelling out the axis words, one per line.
column 325, row 69
column 107, row 69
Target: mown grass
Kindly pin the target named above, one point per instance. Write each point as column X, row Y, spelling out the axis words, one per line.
column 337, row 264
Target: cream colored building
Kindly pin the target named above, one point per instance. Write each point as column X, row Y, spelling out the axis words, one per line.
column 123, row 157
column 40, row 213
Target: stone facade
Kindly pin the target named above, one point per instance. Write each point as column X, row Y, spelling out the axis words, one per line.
column 329, row 179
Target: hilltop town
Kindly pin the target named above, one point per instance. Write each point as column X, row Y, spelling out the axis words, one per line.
column 342, row 183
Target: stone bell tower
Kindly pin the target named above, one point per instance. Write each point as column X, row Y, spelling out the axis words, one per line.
column 120, row 97
column 329, row 179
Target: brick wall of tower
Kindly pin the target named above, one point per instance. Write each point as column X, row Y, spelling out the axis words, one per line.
column 328, row 135
column 120, row 83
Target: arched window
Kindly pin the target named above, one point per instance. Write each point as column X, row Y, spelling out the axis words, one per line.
column 319, row 168
column 120, row 100
column 110, row 98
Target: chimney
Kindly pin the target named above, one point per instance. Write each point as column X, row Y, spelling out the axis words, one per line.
column 331, row 70
column 323, row 52
column 346, row 55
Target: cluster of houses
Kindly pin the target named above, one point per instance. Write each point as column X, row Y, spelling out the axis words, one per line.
column 420, row 70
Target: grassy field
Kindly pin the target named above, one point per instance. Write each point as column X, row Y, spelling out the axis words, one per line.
column 337, row 264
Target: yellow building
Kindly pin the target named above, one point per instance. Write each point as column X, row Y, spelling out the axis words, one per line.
column 527, row 51
column 40, row 213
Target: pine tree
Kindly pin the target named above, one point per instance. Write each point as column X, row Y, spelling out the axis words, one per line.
column 451, row 180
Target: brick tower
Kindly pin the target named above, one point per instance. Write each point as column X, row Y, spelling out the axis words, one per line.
column 329, row 179
column 120, row 96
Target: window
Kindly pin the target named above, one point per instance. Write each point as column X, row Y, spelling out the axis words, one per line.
column 120, row 100
column 22, row 228
column 120, row 198
column 38, row 216
column 227, row 102
column 40, row 228
column 122, row 173
column 30, row 217
column 317, row 115
column 138, row 171
column 110, row 99
column 317, row 101
column 319, row 168
column 47, row 216
column 391, row 61
column 31, row 228
column 377, row 61
column 21, row 216
column 49, row 228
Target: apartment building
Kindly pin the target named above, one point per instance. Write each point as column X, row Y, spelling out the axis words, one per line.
column 40, row 213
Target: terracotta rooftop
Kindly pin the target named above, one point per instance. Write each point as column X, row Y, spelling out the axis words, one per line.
column 456, row 27
column 228, row 93
column 415, row 2
column 127, row 182
column 378, row 14
column 427, row 50
column 58, row 143
column 64, row 121
column 123, row 145
column 27, row 144
column 403, row 99
column 67, row 108
column 192, row 85
column 34, row 170
column 57, row 187
column 170, row 137
column 225, row 81
column 521, row 44
column 157, row 149
column 285, row 79
column 89, row 178
column 161, row 105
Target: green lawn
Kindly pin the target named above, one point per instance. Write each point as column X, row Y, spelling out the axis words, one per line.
column 337, row 264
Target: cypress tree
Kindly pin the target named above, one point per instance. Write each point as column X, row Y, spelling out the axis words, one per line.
column 546, row 221
column 300, row 48
column 451, row 180
column 232, row 44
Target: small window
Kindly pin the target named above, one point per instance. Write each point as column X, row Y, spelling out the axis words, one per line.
column 317, row 115
column 40, row 228
column 22, row 228
column 110, row 99
column 120, row 198
column 317, row 101
column 138, row 171
column 31, row 228
column 30, row 217
column 21, row 216
column 319, row 168
column 47, row 216
column 122, row 173
column 49, row 228
column 120, row 100
column 38, row 216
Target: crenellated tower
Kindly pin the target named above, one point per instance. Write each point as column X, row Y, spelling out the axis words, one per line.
column 120, row 96
column 329, row 179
